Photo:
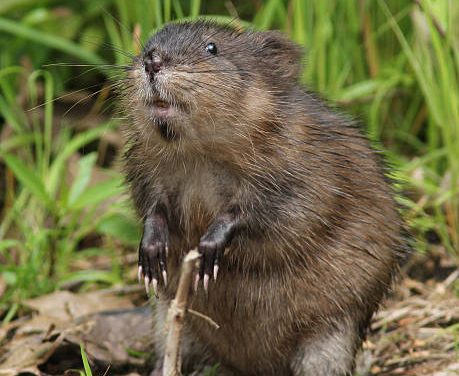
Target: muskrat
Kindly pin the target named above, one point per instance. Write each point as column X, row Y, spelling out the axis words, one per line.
column 283, row 196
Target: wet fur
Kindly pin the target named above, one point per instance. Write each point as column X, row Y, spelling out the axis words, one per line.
column 322, row 243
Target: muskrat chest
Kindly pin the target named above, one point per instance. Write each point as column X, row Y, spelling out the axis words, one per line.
column 196, row 194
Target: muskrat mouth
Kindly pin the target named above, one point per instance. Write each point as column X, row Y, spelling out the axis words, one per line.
column 161, row 108
column 162, row 112
column 157, row 102
column 160, row 103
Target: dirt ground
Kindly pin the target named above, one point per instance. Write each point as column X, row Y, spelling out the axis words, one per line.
column 415, row 333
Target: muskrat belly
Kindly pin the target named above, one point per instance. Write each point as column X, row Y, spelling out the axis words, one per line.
column 254, row 336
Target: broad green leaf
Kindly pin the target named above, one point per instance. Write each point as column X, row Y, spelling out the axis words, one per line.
column 10, row 277
column 73, row 146
column 28, row 178
column 98, row 193
column 85, row 166
column 120, row 227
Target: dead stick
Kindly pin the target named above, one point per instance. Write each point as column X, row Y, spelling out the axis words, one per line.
column 176, row 316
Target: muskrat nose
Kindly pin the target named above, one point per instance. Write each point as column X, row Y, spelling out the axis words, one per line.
column 152, row 65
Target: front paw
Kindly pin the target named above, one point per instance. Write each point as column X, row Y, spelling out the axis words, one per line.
column 152, row 263
column 211, row 253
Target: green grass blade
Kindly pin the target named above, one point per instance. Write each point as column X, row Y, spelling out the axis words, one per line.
column 84, row 358
column 76, row 143
column 158, row 13
column 264, row 19
column 13, row 142
column 51, row 41
column 10, row 314
column 178, row 9
column 195, row 8
column 11, row 117
column 48, row 107
column 167, row 10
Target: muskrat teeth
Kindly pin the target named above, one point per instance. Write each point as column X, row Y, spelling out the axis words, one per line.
column 161, row 103
column 157, row 101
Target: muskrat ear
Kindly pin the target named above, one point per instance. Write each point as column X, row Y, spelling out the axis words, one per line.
column 280, row 54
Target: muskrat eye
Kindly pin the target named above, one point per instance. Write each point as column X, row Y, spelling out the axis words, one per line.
column 211, row 48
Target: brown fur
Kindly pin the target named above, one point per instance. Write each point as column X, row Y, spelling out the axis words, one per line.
column 322, row 238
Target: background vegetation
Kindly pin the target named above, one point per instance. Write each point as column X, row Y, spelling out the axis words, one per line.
column 65, row 222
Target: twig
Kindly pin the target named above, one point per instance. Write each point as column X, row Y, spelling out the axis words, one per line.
column 204, row 317
column 176, row 316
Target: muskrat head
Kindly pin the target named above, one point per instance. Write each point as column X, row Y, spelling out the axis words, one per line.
column 201, row 82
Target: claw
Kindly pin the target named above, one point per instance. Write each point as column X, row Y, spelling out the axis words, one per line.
column 147, row 284
column 206, row 281
column 215, row 272
column 139, row 274
column 196, row 282
column 165, row 277
column 155, row 286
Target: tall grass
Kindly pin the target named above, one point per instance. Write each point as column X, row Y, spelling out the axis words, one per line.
column 395, row 65
column 47, row 213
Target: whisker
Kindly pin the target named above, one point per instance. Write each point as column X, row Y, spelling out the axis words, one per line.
column 63, row 96
column 85, row 65
column 85, row 99
column 212, row 71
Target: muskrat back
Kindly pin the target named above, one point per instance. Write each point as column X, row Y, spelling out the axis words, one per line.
column 287, row 202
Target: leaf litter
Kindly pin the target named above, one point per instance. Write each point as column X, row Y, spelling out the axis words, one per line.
column 416, row 333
